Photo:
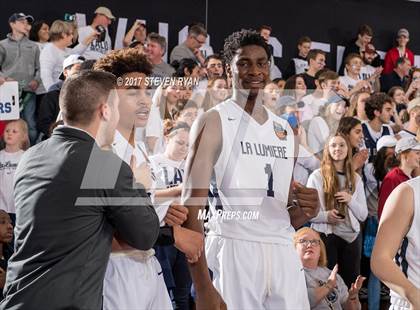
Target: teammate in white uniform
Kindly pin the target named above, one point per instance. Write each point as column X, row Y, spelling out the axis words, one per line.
column 396, row 254
column 251, row 153
column 133, row 279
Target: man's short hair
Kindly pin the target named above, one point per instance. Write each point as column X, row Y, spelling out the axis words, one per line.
column 213, row 56
column 401, row 60
column 82, row 94
column 304, row 39
column 327, row 75
column 155, row 37
column 376, row 102
column 365, row 30
column 266, row 27
column 123, row 61
column 240, row 39
column 350, row 57
column 197, row 30
column 58, row 28
column 315, row 52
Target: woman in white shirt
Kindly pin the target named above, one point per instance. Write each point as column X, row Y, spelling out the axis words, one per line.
column 343, row 205
column 53, row 54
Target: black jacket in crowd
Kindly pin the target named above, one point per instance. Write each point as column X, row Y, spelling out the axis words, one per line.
column 71, row 197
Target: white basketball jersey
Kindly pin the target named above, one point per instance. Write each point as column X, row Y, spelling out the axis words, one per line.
column 408, row 256
column 252, row 175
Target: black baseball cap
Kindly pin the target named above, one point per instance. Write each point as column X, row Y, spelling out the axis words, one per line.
column 17, row 16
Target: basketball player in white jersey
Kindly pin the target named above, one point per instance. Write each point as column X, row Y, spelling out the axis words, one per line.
column 251, row 153
column 396, row 254
column 133, row 279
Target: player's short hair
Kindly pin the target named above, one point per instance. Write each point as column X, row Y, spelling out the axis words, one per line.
column 240, row 39
column 123, row 61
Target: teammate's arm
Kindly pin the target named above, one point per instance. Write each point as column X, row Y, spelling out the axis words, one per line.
column 205, row 141
column 395, row 222
column 303, row 202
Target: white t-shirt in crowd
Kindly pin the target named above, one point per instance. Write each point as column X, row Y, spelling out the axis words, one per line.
column 406, row 134
column 169, row 173
column 51, row 62
column 318, row 133
column 311, row 108
column 96, row 49
column 366, row 72
column 8, row 165
column 306, row 163
column 348, row 82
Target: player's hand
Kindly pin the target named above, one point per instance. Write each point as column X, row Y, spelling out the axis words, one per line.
column 333, row 217
column 176, row 215
column 413, row 297
column 189, row 242
column 2, row 80
column 209, row 299
column 355, row 287
column 307, row 199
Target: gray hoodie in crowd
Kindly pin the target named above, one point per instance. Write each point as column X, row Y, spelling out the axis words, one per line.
column 19, row 60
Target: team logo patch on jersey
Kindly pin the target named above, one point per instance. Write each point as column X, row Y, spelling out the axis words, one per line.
column 280, row 131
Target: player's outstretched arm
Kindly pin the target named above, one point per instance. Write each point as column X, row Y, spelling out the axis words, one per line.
column 395, row 222
column 205, row 142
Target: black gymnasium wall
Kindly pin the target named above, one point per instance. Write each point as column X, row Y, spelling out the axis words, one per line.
column 328, row 21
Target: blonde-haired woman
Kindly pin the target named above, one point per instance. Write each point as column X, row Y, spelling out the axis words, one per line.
column 343, row 205
column 53, row 54
column 326, row 288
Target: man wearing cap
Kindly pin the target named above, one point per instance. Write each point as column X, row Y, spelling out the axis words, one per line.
column 369, row 72
column 412, row 128
column 391, row 57
column 19, row 61
column 49, row 108
column 97, row 48
column 408, row 154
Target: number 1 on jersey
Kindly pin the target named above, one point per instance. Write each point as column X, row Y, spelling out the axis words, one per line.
column 269, row 172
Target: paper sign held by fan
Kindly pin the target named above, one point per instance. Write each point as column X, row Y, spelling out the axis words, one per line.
column 9, row 101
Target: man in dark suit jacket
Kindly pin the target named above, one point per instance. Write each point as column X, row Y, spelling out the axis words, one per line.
column 71, row 197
